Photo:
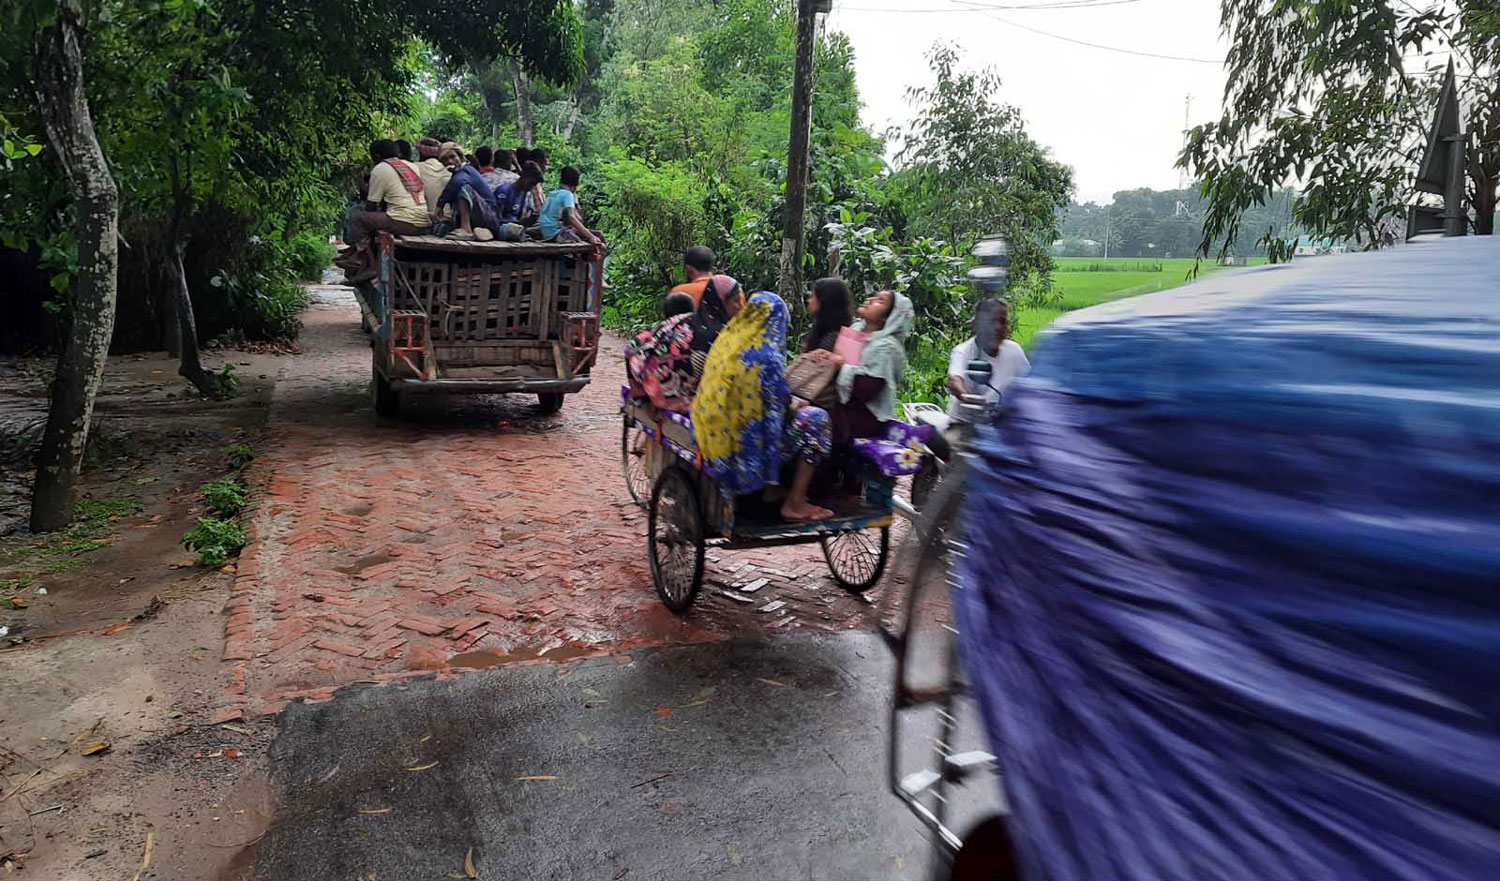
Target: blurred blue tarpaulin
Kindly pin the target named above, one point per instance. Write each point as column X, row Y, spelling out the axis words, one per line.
column 1233, row 596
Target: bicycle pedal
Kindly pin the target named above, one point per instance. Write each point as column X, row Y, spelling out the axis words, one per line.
column 918, row 782
column 961, row 766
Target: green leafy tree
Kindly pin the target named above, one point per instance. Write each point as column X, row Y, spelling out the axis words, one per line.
column 976, row 171
column 221, row 107
column 1323, row 92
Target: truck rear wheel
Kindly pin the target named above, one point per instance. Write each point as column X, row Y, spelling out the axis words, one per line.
column 387, row 400
column 549, row 402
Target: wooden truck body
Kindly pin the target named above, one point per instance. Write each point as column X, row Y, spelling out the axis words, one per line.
column 482, row 318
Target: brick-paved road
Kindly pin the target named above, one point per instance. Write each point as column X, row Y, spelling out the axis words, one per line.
column 474, row 532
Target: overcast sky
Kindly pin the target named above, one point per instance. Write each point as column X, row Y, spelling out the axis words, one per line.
column 1116, row 118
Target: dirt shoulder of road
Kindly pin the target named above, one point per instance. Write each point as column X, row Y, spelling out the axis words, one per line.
column 112, row 636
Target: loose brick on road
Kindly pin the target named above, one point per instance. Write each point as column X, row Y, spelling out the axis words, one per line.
column 475, row 525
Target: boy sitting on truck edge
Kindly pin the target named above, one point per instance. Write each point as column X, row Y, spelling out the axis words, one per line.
column 559, row 220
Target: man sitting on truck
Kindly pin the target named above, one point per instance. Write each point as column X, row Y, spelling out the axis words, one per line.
column 510, row 203
column 435, row 173
column 474, row 207
column 395, row 185
column 559, row 219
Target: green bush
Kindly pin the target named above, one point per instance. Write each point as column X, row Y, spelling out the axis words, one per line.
column 225, row 497
column 308, row 254
column 215, row 540
column 652, row 215
column 266, row 304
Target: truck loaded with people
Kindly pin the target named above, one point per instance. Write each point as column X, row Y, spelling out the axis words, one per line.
column 470, row 276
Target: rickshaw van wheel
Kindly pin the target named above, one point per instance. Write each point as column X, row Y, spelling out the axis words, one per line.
column 857, row 559
column 549, row 402
column 633, row 461
column 675, row 531
column 387, row 399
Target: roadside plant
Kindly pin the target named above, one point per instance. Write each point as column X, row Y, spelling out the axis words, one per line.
column 225, row 497
column 214, row 540
column 239, row 455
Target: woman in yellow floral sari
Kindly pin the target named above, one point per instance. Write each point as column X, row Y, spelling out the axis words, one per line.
column 744, row 419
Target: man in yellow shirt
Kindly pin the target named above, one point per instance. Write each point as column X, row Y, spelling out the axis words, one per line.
column 698, row 263
column 395, row 203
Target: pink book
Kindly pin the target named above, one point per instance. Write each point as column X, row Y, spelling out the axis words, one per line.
column 850, row 345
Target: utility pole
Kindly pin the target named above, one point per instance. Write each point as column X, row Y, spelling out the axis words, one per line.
column 789, row 281
column 1187, row 125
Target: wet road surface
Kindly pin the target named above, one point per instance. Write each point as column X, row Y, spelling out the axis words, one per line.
column 746, row 759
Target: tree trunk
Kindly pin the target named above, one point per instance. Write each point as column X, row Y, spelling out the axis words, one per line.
column 171, row 328
column 57, row 67
column 789, row 281
column 1484, row 207
column 522, row 87
column 190, row 368
column 573, row 118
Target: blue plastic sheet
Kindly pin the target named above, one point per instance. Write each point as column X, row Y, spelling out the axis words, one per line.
column 1232, row 606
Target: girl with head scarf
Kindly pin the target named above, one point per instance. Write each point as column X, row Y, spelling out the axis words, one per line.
column 666, row 362
column 743, row 418
column 867, row 390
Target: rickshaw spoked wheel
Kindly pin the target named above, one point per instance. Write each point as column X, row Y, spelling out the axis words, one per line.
column 857, row 559
column 675, row 531
column 633, row 458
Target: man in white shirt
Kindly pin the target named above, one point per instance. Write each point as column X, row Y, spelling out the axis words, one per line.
column 394, row 203
column 991, row 342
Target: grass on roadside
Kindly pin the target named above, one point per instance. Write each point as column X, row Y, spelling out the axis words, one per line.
column 63, row 550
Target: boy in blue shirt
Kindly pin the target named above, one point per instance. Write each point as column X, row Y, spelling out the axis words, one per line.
column 559, row 219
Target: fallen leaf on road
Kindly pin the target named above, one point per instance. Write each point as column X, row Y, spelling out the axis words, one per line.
column 231, row 753
column 329, row 776
column 18, row 603
column 774, row 682
column 469, row 865
column 94, row 749
column 112, row 629
column 591, row 692
column 621, row 874
column 423, row 767
column 663, row 711
column 538, row 777
column 237, row 728
column 900, row 861
column 377, row 811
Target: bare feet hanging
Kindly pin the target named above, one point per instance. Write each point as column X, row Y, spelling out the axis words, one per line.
column 804, row 512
